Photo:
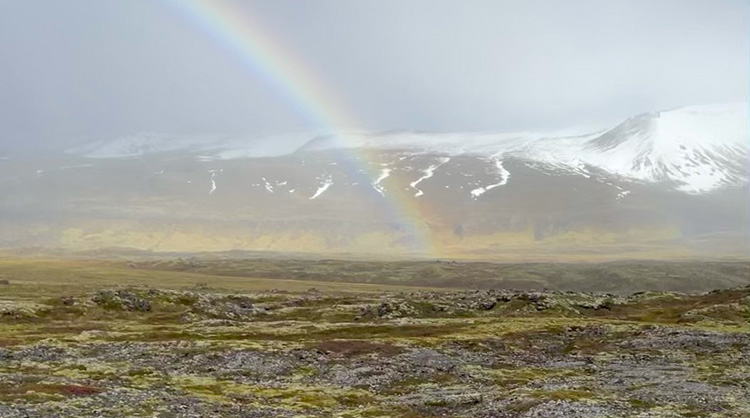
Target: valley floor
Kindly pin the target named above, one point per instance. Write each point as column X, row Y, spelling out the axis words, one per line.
column 179, row 346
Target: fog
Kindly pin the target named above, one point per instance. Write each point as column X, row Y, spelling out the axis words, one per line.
column 82, row 70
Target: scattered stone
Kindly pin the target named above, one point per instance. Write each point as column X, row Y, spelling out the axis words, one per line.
column 486, row 354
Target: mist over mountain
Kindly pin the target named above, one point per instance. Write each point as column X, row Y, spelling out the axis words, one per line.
column 665, row 184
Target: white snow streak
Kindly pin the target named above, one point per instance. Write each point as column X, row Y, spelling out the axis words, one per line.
column 384, row 173
column 268, row 186
column 427, row 174
column 504, row 177
column 213, row 179
column 323, row 187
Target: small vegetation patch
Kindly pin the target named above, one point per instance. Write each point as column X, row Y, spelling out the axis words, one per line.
column 24, row 390
column 350, row 348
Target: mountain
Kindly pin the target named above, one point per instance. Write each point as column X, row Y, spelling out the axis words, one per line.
column 666, row 184
column 700, row 147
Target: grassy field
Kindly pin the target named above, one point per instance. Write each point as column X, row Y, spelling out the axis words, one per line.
column 259, row 274
column 616, row 277
column 40, row 277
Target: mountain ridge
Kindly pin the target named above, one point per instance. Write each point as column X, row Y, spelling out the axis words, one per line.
column 572, row 196
column 700, row 148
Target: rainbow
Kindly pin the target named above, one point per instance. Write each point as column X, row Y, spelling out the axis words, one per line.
column 278, row 65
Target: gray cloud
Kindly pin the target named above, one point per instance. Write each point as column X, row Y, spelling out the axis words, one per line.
column 87, row 69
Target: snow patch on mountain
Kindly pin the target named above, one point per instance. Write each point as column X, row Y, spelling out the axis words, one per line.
column 144, row 143
column 501, row 172
column 475, row 143
column 427, row 173
column 384, row 173
column 327, row 182
column 213, row 179
column 267, row 185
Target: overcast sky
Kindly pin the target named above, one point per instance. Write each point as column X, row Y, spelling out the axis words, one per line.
column 91, row 69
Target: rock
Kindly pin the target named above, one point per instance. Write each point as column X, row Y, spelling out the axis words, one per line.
column 488, row 304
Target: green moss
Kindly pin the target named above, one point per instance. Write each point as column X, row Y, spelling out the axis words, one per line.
column 641, row 404
column 304, row 372
column 141, row 372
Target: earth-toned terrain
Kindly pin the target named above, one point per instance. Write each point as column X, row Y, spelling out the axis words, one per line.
column 92, row 340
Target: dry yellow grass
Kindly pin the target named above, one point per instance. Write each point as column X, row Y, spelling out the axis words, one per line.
column 52, row 276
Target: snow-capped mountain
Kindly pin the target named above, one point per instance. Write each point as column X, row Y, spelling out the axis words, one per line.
column 696, row 148
column 700, row 147
column 663, row 184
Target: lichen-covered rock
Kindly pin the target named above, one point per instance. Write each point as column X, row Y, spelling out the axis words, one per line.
column 141, row 352
column 123, row 300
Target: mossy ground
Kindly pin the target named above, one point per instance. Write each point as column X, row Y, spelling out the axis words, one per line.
column 164, row 346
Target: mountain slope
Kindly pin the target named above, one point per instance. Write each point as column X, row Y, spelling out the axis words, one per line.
column 659, row 185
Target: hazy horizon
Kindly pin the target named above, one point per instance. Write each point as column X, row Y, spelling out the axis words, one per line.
column 86, row 70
